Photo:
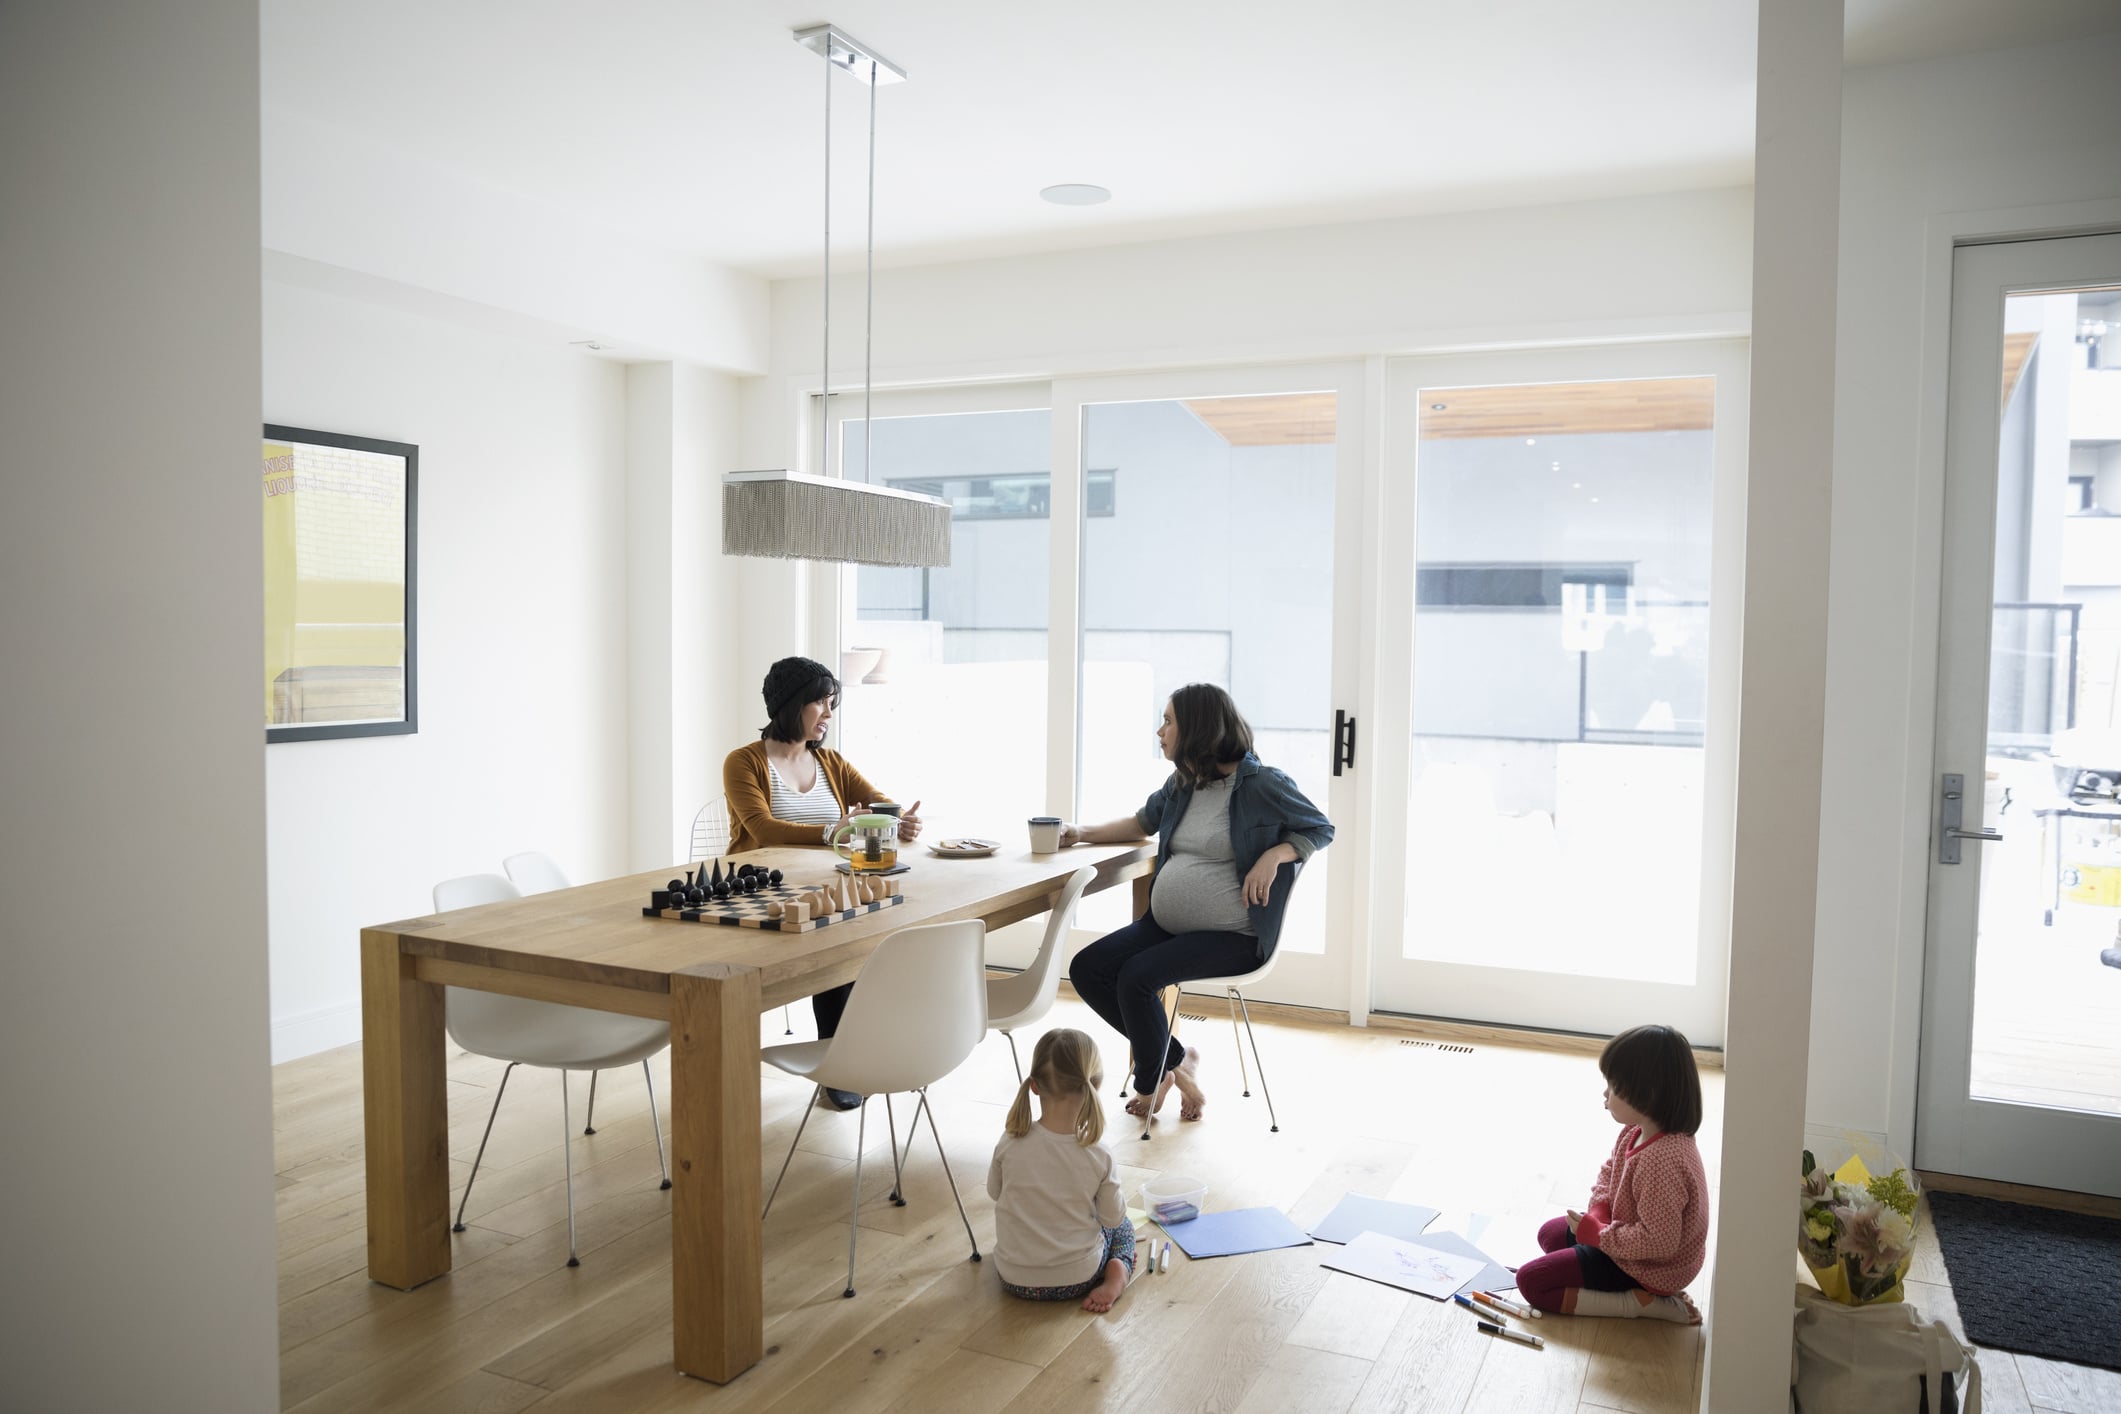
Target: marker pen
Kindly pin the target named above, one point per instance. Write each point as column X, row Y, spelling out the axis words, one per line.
column 1477, row 1309
column 1513, row 1308
column 1166, row 1264
column 1522, row 1338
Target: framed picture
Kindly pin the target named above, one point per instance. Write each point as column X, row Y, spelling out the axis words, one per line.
column 340, row 516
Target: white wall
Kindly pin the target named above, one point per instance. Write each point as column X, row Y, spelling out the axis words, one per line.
column 1978, row 133
column 137, row 1109
column 523, row 730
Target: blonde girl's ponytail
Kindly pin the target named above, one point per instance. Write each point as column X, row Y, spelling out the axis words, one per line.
column 1065, row 1063
column 1018, row 1124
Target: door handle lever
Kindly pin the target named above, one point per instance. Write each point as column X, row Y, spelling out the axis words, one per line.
column 1951, row 803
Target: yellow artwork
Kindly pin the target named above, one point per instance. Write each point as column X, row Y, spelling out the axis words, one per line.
column 338, row 524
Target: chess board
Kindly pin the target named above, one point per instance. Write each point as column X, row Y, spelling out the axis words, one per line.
column 749, row 911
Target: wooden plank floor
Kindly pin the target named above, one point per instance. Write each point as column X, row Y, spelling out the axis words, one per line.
column 1499, row 1139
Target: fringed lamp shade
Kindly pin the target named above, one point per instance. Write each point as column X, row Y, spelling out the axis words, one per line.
column 788, row 516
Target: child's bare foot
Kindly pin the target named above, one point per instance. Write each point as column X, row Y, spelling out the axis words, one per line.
column 1106, row 1292
column 1192, row 1098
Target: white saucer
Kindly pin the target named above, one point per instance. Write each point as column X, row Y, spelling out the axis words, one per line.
column 964, row 848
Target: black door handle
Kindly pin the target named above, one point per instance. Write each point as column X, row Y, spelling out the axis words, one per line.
column 1343, row 742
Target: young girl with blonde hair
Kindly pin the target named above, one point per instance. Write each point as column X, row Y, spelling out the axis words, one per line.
column 1061, row 1230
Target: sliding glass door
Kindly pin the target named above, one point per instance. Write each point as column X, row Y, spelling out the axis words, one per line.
column 1566, row 711
column 1218, row 515
column 1112, row 539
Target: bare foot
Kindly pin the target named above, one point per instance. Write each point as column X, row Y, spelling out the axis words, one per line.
column 1192, row 1099
column 1109, row 1290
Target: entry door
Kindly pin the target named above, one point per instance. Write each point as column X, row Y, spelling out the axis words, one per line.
column 1569, row 525
column 2021, row 1033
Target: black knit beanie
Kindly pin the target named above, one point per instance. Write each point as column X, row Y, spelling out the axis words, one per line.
column 792, row 678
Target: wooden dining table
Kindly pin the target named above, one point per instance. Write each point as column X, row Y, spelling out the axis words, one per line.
column 591, row 946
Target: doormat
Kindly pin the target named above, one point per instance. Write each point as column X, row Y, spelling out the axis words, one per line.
column 2033, row 1279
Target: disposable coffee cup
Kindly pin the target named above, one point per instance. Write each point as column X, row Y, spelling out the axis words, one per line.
column 1045, row 834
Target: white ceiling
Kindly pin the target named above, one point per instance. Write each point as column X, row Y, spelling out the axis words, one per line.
column 697, row 124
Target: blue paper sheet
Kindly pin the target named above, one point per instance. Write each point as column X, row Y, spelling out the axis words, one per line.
column 1239, row 1230
column 1357, row 1214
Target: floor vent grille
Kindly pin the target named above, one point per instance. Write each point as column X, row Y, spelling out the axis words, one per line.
column 1445, row 1046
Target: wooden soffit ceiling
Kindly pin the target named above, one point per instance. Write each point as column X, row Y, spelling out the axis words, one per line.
column 1277, row 420
column 1560, row 409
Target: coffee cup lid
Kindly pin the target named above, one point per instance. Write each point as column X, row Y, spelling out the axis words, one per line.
column 1045, row 819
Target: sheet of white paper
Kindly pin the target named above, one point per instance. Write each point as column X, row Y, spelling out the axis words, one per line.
column 1422, row 1270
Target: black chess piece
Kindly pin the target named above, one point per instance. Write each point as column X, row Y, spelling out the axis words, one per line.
column 676, row 884
column 774, row 877
column 752, row 882
column 717, row 879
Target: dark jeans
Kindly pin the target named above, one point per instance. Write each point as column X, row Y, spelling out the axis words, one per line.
column 1121, row 974
column 827, row 1006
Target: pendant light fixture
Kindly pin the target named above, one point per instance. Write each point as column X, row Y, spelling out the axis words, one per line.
column 789, row 515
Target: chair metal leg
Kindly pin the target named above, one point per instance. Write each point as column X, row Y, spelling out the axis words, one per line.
column 791, row 1152
column 898, row 1174
column 497, row 1094
column 567, row 1152
column 662, row 1160
column 1013, row 1059
column 1273, row 1124
column 854, row 1214
column 924, row 1105
column 1163, row 1055
column 589, row 1121
column 787, row 1022
column 1240, row 1041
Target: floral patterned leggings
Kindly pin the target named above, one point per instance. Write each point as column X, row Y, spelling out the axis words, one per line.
column 1119, row 1242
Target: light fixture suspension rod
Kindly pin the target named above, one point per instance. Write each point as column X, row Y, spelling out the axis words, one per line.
column 869, row 294
column 824, row 400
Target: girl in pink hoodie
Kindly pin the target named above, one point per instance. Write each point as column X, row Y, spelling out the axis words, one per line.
column 1644, row 1235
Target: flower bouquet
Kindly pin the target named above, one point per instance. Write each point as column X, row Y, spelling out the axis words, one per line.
column 1856, row 1232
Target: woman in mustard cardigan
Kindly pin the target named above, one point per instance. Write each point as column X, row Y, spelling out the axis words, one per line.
column 787, row 788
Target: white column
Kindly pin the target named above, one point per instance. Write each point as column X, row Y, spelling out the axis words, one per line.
column 684, row 622
column 1781, row 700
column 138, row 1104
column 649, row 537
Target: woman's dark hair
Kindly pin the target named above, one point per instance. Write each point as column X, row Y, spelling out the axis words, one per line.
column 1652, row 1068
column 1211, row 732
column 791, row 685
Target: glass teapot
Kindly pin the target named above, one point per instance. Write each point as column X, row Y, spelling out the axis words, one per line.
column 871, row 845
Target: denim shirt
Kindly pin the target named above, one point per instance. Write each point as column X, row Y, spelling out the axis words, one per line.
column 1266, row 809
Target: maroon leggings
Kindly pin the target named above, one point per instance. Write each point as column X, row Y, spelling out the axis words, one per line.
column 1567, row 1263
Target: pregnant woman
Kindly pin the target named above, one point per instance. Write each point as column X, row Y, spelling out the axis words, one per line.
column 1231, row 835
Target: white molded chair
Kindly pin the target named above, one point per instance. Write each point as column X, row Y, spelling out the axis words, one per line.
column 1233, row 989
column 918, row 1008
column 525, row 1032
column 710, row 830
column 533, row 872
column 1233, row 992
column 710, row 840
column 1014, row 1002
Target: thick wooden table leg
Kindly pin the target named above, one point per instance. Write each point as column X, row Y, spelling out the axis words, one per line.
column 405, row 1117
column 718, row 1304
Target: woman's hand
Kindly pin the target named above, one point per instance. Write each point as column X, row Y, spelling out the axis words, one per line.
column 1071, row 835
column 1259, row 883
column 1573, row 1219
column 909, row 823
